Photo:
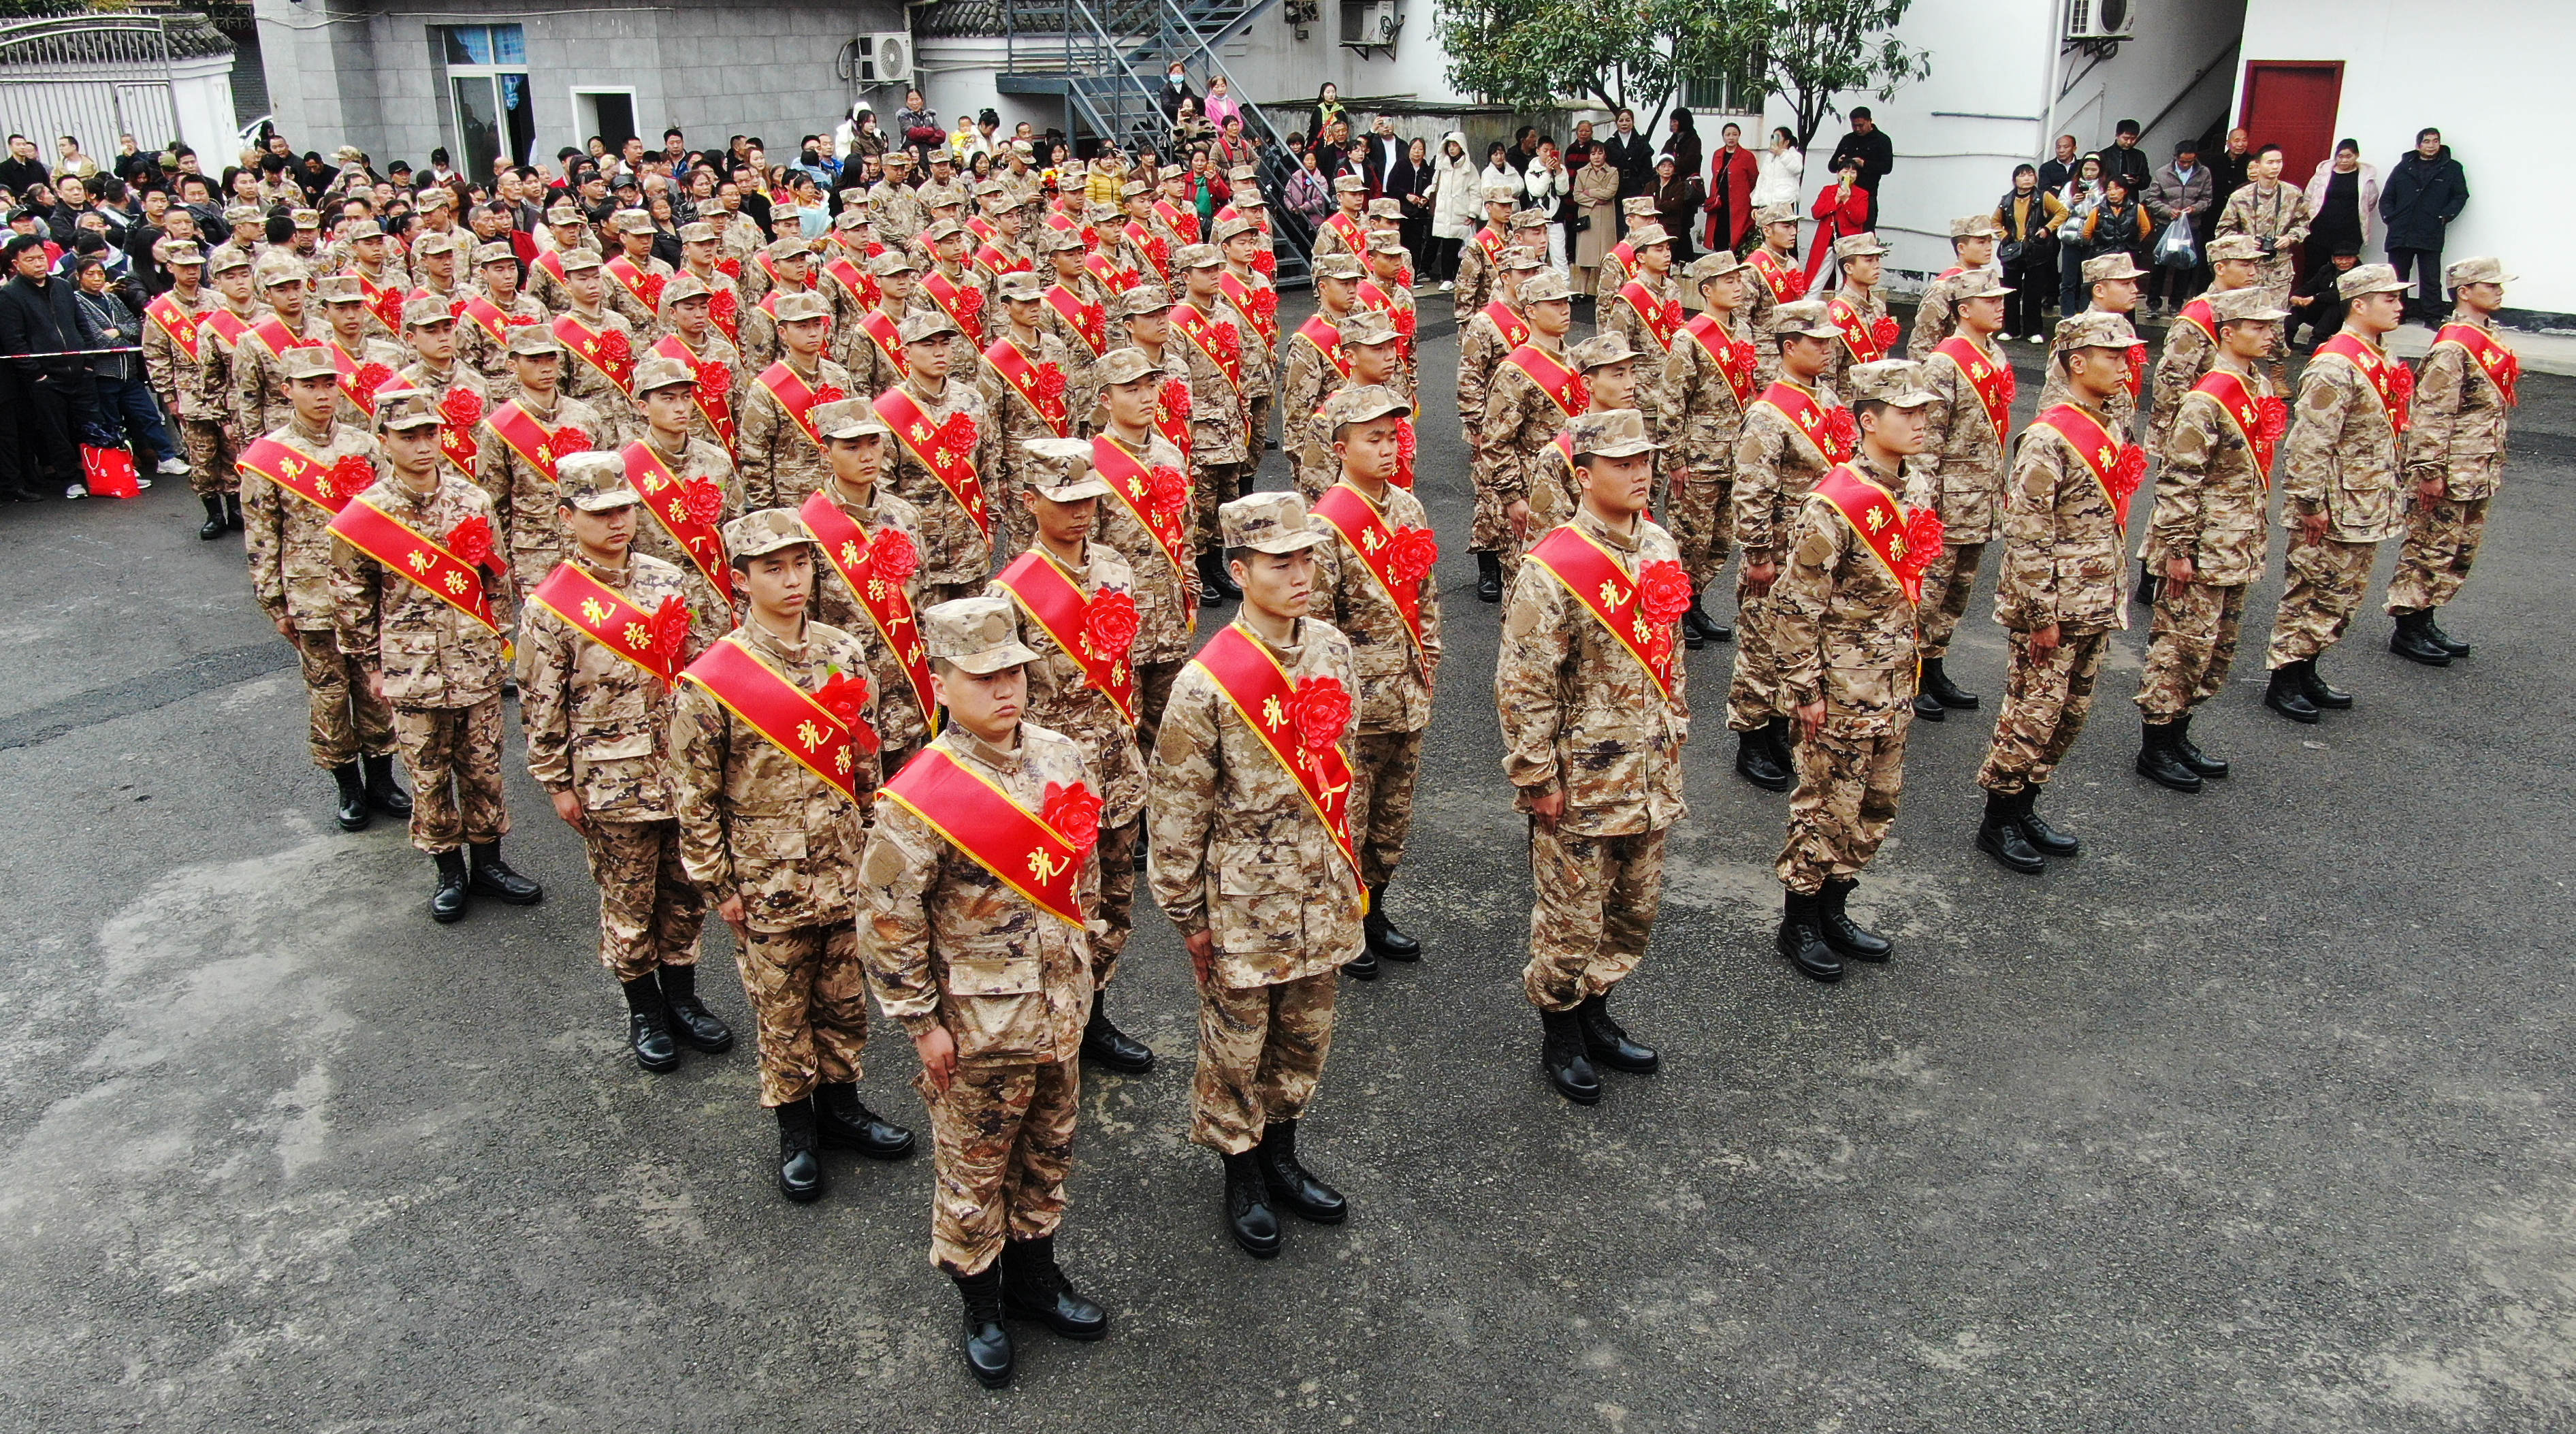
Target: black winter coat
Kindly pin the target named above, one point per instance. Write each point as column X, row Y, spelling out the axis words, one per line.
column 39, row 319
column 2421, row 197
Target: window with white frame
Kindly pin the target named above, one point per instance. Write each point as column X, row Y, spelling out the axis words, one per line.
column 491, row 111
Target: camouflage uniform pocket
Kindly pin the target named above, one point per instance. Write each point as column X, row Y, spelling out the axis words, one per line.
column 997, row 1006
column 1256, row 906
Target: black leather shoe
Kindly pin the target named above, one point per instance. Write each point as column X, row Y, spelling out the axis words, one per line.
column 646, row 1032
column 2192, row 757
column 1362, row 967
column 1103, row 1044
column 1292, row 1186
column 1247, row 1206
column 1561, row 1051
column 1999, row 836
column 2147, row 585
column 2160, row 762
column 1755, row 764
column 1834, row 922
column 494, row 878
column 694, row 1025
column 2326, row 698
column 1384, row 938
column 448, row 902
column 2288, row 696
column 2443, row 640
column 215, row 526
column 987, row 1344
column 1214, row 580
column 2045, row 839
column 1034, row 1288
column 352, row 810
column 1802, row 938
column 1606, row 1042
column 1489, row 577
column 232, row 511
column 383, row 793
column 844, row 1122
column 800, row 1170
column 1936, row 680
column 2410, row 641
column 1927, row 708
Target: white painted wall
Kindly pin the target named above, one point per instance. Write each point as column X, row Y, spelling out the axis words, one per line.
column 201, row 94
column 2484, row 72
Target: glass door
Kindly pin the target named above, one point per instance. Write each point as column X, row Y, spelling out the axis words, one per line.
column 478, row 124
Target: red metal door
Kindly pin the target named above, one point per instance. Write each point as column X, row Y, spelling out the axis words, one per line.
column 2292, row 103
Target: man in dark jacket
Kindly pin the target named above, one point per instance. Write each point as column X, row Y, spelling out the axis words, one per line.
column 2124, row 160
column 1870, row 145
column 48, row 398
column 2425, row 191
column 22, row 169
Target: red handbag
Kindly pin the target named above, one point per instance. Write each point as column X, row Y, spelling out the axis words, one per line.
column 109, row 472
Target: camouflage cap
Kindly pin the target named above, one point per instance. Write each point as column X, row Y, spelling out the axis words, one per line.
column 2363, row 279
column 1120, row 366
column 423, row 311
column 1019, row 287
column 945, row 154
column 1858, row 246
column 495, row 252
column 1522, row 256
column 1502, row 194
column 594, row 482
column 1804, row 316
column 1770, row 214
column 699, row 232
column 1134, row 189
column 1051, row 240
column 278, row 270
column 1529, row 219
column 788, row 246
column 1361, row 403
column 1350, row 184
column 1981, row 284
column 562, row 212
column 1368, row 328
column 184, row 251
column 2102, row 268
column 849, row 197
column 1642, row 235
column 244, row 213
column 2095, row 329
column 1976, row 226
column 1268, row 522
column 227, row 257
column 892, row 261
column 1242, row 174
column 1715, row 265
column 1895, row 382
column 765, row 531
column 849, row 418
column 2232, row 306
column 1385, row 208
column 1638, row 206
column 851, row 219
column 1547, row 286
column 340, row 289
column 655, row 371
column 2480, row 270
column 534, row 341
column 2234, row 246
column 1229, row 229
column 895, row 159
column 802, row 307
column 1386, row 241
column 436, row 196
column 939, row 229
column 1197, row 256
column 975, row 635
column 1060, row 469
column 308, row 219
column 631, row 221
column 363, row 229
column 1247, row 195
column 1340, row 264
column 436, row 242
column 1600, row 351
column 684, row 286
column 1142, row 302
column 1100, row 216
column 407, row 408
column 580, row 259
column 991, row 189
column 1616, row 434
column 923, row 325
column 307, row 361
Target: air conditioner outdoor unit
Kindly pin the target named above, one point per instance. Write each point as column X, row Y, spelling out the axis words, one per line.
column 885, row 58
column 2101, row 19
column 1371, row 23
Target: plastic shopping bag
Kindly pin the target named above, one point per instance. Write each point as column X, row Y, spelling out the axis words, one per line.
column 2179, row 248
column 109, row 472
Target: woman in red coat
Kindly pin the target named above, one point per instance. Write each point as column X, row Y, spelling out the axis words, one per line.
column 1732, row 171
column 1842, row 209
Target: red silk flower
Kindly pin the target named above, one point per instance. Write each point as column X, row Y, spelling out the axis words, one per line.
column 1265, row 303
column 2127, row 471
column 2006, row 386
column 1266, row 264
column 723, row 307
column 1075, row 814
column 2271, row 418
column 1739, row 354
column 352, row 475
column 1672, row 314
column 652, row 291
column 1663, row 591
column 829, row 393
column 617, row 355
column 1405, row 448
column 1793, row 288
column 1174, row 397
column 1922, row 542
column 1110, row 623
column 2401, row 395
column 1170, row 491
column 370, row 377
column 1582, row 393
column 571, row 438
column 1404, row 276
column 730, row 267
column 957, row 435
column 1320, row 710
column 456, row 308
column 1049, row 383
column 460, row 406
column 714, row 380
column 1405, row 321
column 1842, row 434
column 843, row 696
column 518, row 321
column 702, row 500
column 1884, row 331
column 389, row 307
column 670, row 633
column 1415, row 550
column 1229, row 341
column 892, row 556
column 471, row 541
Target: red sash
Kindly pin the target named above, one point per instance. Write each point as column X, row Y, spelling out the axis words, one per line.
column 1879, row 522
column 177, row 322
column 1113, row 279
column 950, row 296
column 1246, row 302
column 1516, row 330
column 993, row 261
column 272, row 332
column 1143, row 239
column 845, row 547
column 607, row 617
column 1125, row 473
column 954, row 468
column 2501, row 366
column 1786, row 284
column 716, row 409
column 440, row 573
column 2381, row 372
column 1005, row 838
column 295, row 471
column 1626, row 256
column 861, row 285
column 1326, row 336
column 1182, row 222
column 1354, row 238
column 1022, row 375
column 528, row 438
column 638, row 284
column 887, row 337
column 1173, row 423
column 1057, row 603
column 1201, row 330
column 1559, row 382
column 2201, row 316
column 585, row 342
column 2235, row 398
column 488, row 317
column 361, row 396
column 1491, row 243
column 794, row 395
column 552, row 262
column 228, row 326
column 2095, row 445
column 1803, row 412
column 1255, row 683
column 1719, row 345
column 665, row 496
column 1859, row 334
column 1089, row 324
column 779, row 710
column 1357, row 520
column 1610, row 595
column 981, row 227
column 1663, row 319
column 1990, row 376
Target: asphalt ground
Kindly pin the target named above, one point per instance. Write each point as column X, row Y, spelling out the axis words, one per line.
column 2253, row 1117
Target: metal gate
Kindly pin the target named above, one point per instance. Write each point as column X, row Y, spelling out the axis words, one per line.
column 93, row 77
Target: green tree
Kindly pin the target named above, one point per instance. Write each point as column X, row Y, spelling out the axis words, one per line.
column 1803, row 51
column 1618, row 53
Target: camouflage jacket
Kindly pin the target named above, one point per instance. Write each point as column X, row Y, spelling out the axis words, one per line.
column 1580, row 714
column 1618, row 316
column 2341, row 454
column 900, row 720
column 582, row 382
column 2186, row 360
column 2064, row 559
column 2119, row 411
column 216, row 361
column 711, row 615
column 1871, row 310
column 173, row 375
column 780, row 465
column 1701, row 420
column 525, row 524
column 953, row 546
column 1061, row 701
column 2456, row 429
column 1759, row 301
column 288, row 539
column 948, row 943
column 1517, row 441
column 1396, row 675
column 872, row 369
column 754, row 822
column 1166, row 596
column 1776, row 466
column 1475, row 283
column 1306, row 379
column 1260, row 355
column 900, row 214
column 1843, row 626
column 1237, row 849
column 716, row 350
column 258, row 394
column 2210, row 497
column 1961, row 468
column 389, row 357
column 1934, row 314
column 431, row 655
column 2282, row 215
column 490, row 357
column 599, row 726
column 1481, row 350
column 1220, row 411
column 645, row 324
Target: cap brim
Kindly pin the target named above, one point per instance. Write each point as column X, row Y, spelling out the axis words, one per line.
column 602, row 502
column 780, row 544
column 1911, row 398
column 993, row 659
column 1289, row 543
column 1625, row 448
column 414, row 421
column 2395, row 286
column 1823, row 333
column 1088, row 486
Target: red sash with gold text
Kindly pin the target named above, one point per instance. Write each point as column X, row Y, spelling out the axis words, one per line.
column 1246, row 302
column 1878, row 521
column 2380, row 371
column 889, row 608
column 1663, row 318
column 357, row 385
column 1785, row 283
column 1201, row 330
column 297, row 472
column 666, row 498
column 1326, row 336
column 1005, row 838
column 778, row 710
column 1608, row 593
column 1990, row 376
column 1182, row 222
column 1058, row 604
column 488, row 317
column 639, row 285
column 1262, row 695
column 177, row 322
column 1558, row 381
column 2201, row 316
column 2235, row 398
column 1516, row 330
column 1365, row 531
column 794, row 395
column 1803, row 412
column 954, row 468
column 1719, row 345
column 950, row 296
column 2094, row 444
column 2500, row 364
column 1089, row 324
column 605, row 616
column 716, row 409
column 1859, row 334
column 1126, row 475
column 528, row 438
column 585, row 342
column 440, row 573
column 1021, row 373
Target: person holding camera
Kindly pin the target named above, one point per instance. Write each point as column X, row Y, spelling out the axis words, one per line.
column 2276, row 215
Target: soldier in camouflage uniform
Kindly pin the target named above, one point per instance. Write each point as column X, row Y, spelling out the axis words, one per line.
column 1634, row 210
column 2339, row 490
column 1388, row 266
column 346, row 320
column 1702, row 419
column 1935, row 314
column 2455, row 440
column 856, row 445
column 786, row 269
column 1778, row 252
column 429, row 327
column 1309, row 376
column 1371, row 346
column 780, row 464
column 900, row 214
column 2208, row 534
column 1264, row 893
column 171, row 370
column 1477, row 273
column 565, row 227
column 2234, row 262
column 1350, row 192
column 1776, row 464
column 1223, row 450
column 1519, row 418
column 634, row 231
column 1482, row 347
column 1062, row 253
column 1959, row 473
column 2113, row 281
column 873, row 366
column 775, row 848
column 229, row 269
column 598, row 729
column 1651, row 335
column 256, row 369
column 437, row 667
column 1167, row 592
column 1241, row 239
column 1861, row 258
column 666, row 394
column 2058, row 594
column 713, row 361
column 1592, row 743
column 496, row 267
column 1614, row 377
column 1020, row 298
column 1846, row 634
column 957, row 551
column 585, row 376
column 946, row 242
column 1398, row 661
column 523, row 496
column 2276, row 216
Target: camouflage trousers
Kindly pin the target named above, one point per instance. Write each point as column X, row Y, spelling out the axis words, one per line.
column 1753, row 692
column 2441, row 542
column 1487, row 531
column 210, row 451
column 1116, row 853
column 1381, row 799
column 2045, row 703
column 1846, row 799
column 454, row 757
column 649, row 911
column 1213, row 486
column 1946, row 586
column 1154, row 693
column 1001, row 1137
column 2190, row 648
column 348, row 721
column 809, row 996
column 2325, row 584
column 1264, row 405
column 1261, row 1054
column 1695, row 507
column 1596, row 900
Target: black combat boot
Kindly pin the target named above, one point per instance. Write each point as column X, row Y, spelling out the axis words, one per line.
column 1569, row 1069
column 215, row 526
column 2289, row 696
column 2441, row 639
column 1999, row 835
column 988, row 1345
column 1034, row 1287
column 844, row 1122
column 695, row 1025
column 1755, row 763
column 1605, row 1041
column 1292, row 1186
column 2327, row 698
column 383, row 793
column 1104, row 1044
column 1214, row 580
column 1834, row 921
column 494, row 878
column 448, row 902
column 1936, row 680
column 800, row 1170
column 1384, row 938
column 1362, row 967
column 2147, row 585
column 1784, row 746
column 2192, row 757
column 352, row 811
column 1247, row 1206
column 2160, row 761
column 646, row 1032
column 2043, row 838
column 2411, row 641
column 1927, row 708
column 232, row 511
column 1802, row 937
column 1489, row 577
